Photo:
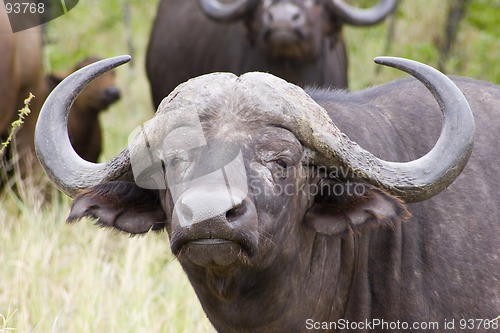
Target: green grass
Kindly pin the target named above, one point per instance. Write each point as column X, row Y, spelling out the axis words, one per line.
column 56, row 277
column 78, row 278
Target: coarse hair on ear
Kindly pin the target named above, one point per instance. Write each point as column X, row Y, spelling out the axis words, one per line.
column 347, row 206
column 121, row 205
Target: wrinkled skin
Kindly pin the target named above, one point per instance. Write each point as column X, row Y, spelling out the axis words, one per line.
column 326, row 256
column 449, row 242
column 235, row 273
column 83, row 123
column 227, row 280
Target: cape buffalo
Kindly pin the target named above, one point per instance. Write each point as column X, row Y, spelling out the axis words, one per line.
column 284, row 222
column 298, row 40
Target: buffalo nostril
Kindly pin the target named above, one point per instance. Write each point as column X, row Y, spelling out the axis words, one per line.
column 296, row 17
column 236, row 212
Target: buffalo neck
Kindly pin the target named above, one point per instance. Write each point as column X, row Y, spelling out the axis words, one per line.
column 326, row 279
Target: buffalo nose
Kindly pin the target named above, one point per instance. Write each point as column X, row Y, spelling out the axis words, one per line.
column 112, row 94
column 286, row 15
column 197, row 205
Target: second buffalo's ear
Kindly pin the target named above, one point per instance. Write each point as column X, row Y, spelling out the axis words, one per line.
column 345, row 207
column 120, row 205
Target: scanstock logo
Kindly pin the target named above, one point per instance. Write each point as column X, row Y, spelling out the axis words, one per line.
column 26, row 14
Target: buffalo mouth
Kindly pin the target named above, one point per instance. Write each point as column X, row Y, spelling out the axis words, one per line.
column 285, row 43
column 284, row 37
column 214, row 251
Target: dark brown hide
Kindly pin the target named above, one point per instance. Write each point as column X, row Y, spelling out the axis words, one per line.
column 21, row 73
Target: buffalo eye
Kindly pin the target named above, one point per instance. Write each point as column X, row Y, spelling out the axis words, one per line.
column 281, row 163
column 173, row 161
column 280, row 168
column 178, row 166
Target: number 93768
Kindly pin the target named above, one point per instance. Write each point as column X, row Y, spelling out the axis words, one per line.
column 24, row 7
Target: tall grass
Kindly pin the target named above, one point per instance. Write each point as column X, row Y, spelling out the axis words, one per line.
column 61, row 278
column 56, row 277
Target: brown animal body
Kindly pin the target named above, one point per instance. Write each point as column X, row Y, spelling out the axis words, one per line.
column 282, row 222
column 21, row 73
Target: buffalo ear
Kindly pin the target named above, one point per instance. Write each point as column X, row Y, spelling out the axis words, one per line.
column 120, row 205
column 345, row 207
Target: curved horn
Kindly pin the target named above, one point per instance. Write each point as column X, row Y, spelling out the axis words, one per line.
column 422, row 178
column 56, row 155
column 358, row 16
column 225, row 11
column 293, row 109
column 412, row 181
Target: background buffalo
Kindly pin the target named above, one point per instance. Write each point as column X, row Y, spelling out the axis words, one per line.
column 299, row 41
column 84, row 127
column 21, row 72
column 101, row 282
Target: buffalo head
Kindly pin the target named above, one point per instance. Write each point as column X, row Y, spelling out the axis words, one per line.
column 97, row 96
column 294, row 29
column 231, row 165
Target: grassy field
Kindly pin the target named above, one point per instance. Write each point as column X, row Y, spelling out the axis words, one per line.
column 56, row 277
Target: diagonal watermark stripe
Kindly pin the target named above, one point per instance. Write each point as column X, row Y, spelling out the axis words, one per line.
column 26, row 14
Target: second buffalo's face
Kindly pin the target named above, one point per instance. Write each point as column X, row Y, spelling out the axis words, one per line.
column 289, row 29
column 99, row 94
